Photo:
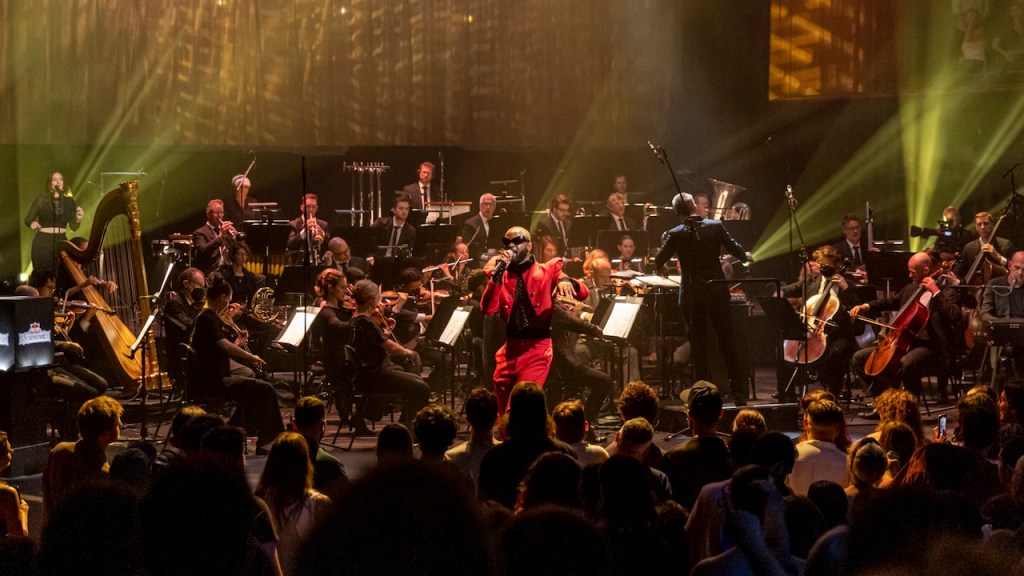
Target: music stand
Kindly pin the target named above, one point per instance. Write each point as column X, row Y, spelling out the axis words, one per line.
column 616, row 316
column 890, row 267
column 781, row 315
column 434, row 234
column 444, row 331
column 295, row 279
column 386, row 269
column 293, row 338
column 261, row 234
column 585, row 229
column 361, row 241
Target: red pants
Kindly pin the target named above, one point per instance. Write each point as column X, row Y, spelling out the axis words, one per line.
column 520, row 360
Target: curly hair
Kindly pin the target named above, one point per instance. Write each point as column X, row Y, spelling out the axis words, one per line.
column 895, row 405
column 638, row 400
column 435, row 427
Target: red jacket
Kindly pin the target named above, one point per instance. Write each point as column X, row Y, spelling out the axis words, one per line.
column 541, row 280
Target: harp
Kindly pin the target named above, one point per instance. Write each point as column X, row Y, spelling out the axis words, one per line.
column 117, row 332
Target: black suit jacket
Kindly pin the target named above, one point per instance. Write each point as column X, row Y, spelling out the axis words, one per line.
column 630, row 223
column 698, row 243
column 547, row 227
column 470, row 229
column 205, row 248
column 415, row 195
column 973, row 248
column 353, row 262
column 406, row 236
column 844, row 248
column 295, row 240
column 944, row 328
column 565, row 331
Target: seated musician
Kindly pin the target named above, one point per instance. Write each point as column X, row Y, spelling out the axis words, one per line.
column 840, row 342
column 935, row 346
column 180, row 312
column 244, row 284
column 627, row 251
column 1003, row 298
column 223, row 365
column 617, row 219
column 374, row 350
column 569, row 371
column 852, row 247
column 597, row 279
column 69, row 380
column 332, row 329
column 557, row 224
column 339, row 256
column 477, row 229
column 305, row 233
column 399, row 232
column 456, row 267
column 994, row 248
column 239, row 208
column 209, row 239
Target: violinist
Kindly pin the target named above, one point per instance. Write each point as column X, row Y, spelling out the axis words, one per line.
column 840, row 342
column 374, row 350
column 994, row 248
column 936, row 343
column 332, row 329
column 225, row 367
column 180, row 312
column 1004, row 298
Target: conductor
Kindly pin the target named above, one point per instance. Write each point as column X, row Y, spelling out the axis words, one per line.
column 697, row 242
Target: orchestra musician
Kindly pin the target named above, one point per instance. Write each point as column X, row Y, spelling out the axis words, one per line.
column 457, row 266
column 557, row 223
column 224, row 366
column 522, row 291
column 995, row 248
column 244, row 284
column 239, row 209
column 852, row 246
column 617, row 219
column 570, row 369
column 332, row 330
column 308, row 232
column 399, row 231
column 936, row 344
column 841, row 342
column 627, row 249
column 180, row 312
column 1004, row 298
column 51, row 214
column 697, row 243
column 374, row 350
column 209, row 239
column 339, row 256
column 418, row 192
column 477, row 229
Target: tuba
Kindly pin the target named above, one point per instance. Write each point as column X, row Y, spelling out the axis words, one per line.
column 115, row 338
column 262, row 305
column 723, row 202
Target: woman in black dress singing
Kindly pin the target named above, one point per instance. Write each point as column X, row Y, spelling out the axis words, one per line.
column 374, row 349
column 51, row 214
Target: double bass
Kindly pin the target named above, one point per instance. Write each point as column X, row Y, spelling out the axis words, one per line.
column 894, row 342
column 982, row 270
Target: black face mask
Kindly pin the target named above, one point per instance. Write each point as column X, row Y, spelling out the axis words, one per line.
column 198, row 294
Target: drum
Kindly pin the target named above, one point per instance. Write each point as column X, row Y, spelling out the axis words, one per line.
column 159, row 247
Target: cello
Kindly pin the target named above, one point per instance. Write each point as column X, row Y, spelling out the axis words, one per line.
column 817, row 313
column 895, row 341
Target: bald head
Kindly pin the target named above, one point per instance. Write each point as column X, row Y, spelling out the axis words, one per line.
column 919, row 266
column 600, row 271
column 339, row 250
column 1016, row 267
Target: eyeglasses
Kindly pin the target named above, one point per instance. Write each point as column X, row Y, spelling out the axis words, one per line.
column 514, row 241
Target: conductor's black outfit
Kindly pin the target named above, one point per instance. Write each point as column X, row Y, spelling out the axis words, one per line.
column 697, row 242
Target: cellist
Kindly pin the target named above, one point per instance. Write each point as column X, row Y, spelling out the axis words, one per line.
column 936, row 345
column 840, row 343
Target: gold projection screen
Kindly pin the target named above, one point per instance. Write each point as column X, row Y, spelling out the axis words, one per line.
column 309, row 73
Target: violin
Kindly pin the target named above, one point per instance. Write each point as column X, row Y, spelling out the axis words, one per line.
column 817, row 313
column 895, row 341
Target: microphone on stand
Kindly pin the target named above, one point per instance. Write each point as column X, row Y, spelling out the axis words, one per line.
column 790, row 199
column 657, row 151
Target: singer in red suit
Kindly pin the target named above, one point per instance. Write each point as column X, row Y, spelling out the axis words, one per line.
column 523, row 290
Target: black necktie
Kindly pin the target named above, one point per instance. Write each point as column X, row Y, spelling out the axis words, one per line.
column 856, row 255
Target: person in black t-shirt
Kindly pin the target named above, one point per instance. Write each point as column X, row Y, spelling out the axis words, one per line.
column 374, row 350
column 219, row 351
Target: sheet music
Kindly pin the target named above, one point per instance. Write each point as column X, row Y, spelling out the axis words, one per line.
column 620, row 319
column 661, row 282
column 455, row 325
column 298, row 325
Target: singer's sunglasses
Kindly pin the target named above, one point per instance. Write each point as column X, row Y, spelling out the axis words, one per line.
column 514, row 241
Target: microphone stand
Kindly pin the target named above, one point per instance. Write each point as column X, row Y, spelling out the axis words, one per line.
column 794, row 224
column 157, row 311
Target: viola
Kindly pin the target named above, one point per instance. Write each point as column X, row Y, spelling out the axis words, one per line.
column 894, row 342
